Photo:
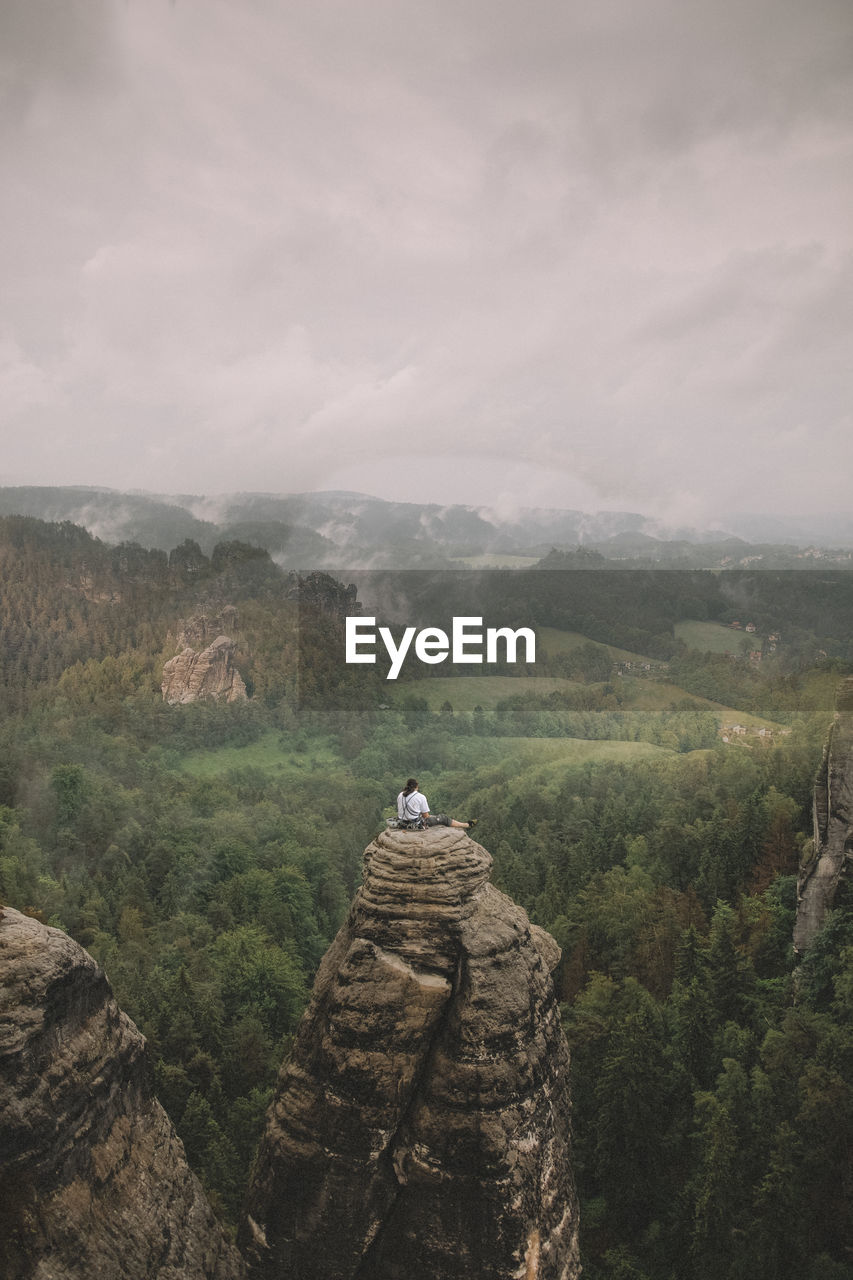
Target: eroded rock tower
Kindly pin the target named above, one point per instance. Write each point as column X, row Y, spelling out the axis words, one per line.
column 422, row 1126
column 831, row 855
column 93, row 1179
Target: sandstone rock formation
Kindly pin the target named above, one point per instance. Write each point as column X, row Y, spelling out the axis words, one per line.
column 831, row 856
column 202, row 628
column 421, row 1127
column 93, row 1179
column 191, row 676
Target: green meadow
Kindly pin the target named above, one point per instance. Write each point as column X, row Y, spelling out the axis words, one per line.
column 464, row 693
column 267, row 753
column 519, row 754
column 655, row 695
column 552, row 755
column 713, row 637
column 553, row 642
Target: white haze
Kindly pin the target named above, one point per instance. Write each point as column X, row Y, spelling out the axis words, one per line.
column 584, row 256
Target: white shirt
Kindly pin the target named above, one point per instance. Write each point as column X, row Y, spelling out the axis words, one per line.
column 411, row 806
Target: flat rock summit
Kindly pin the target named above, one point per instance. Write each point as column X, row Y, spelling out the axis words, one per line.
column 420, row 1128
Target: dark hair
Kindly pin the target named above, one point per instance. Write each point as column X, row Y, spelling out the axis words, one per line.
column 411, row 785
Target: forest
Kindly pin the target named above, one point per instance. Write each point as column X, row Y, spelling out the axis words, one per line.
column 206, row 854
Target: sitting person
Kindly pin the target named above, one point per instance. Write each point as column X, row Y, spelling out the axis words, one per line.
column 413, row 810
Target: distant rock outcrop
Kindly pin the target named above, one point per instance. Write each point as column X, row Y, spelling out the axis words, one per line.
column 93, row 1179
column 831, row 856
column 192, row 676
column 421, row 1128
column 198, row 631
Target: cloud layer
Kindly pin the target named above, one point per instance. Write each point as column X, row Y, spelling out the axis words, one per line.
column 578, row 255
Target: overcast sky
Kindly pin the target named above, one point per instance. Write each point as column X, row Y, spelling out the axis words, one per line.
column 585, row 254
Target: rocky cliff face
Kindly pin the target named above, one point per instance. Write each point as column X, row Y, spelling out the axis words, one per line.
column 830, row 858
column 93, row 1179
column 421, row 1128
column 191, row 676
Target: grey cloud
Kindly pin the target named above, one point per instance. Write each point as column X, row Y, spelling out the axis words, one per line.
column 574, row 248
column 65, row 44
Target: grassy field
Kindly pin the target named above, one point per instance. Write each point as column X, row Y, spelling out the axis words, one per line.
column 275, row 754
column 540, row 764
column 525, row 753
column 271, row 753
column 657, row 695
column 713, row 637
column 553, row 641
column 464, row 693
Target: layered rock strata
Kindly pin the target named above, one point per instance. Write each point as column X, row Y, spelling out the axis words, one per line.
column 192, row 676
column 830, row 858
column 421, row 1127
column 93, row 1179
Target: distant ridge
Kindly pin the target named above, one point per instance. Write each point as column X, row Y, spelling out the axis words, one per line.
column 341, row 530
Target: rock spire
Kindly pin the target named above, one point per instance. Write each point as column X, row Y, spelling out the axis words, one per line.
column 421, row 1126
column 829, row 858
column 193, row 676
column 93, row 1179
